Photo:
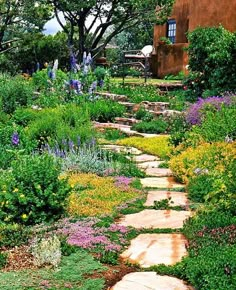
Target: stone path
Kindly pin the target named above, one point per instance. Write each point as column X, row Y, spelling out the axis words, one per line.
column 151, row 249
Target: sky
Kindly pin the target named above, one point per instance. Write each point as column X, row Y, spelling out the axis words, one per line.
column 52, row 26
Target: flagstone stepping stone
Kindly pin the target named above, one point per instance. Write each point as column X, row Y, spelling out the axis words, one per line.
column 152, row 249
column 149, row 164
column 177, row 198
column 155, row 219
column 150, row 281
column 159, row 172
column 145, row 158
column 160, row 182
column 123, row 149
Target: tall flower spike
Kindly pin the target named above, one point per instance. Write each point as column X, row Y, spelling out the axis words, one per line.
column 15, row 139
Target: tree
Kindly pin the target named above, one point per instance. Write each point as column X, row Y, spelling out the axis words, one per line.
column 18, row 17
column 104, row 14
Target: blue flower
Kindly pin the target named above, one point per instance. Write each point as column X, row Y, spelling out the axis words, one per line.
column 15, row 139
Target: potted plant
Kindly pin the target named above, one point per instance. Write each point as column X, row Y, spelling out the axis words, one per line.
column 164, row 40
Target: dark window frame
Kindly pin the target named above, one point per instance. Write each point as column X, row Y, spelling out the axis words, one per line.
column 171, row 30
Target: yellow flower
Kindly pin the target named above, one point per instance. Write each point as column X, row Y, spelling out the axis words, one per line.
column 22, row 196
column 24, row 216
column 15, row 190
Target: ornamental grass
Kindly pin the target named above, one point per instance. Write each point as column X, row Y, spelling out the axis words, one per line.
column 95, row 196
column 155, row 145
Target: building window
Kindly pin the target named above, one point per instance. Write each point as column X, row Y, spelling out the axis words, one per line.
column 171, row 30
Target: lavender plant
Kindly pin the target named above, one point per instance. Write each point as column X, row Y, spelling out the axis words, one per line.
column 196, row 112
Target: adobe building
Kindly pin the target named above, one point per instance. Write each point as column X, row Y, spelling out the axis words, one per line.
column 186, row 16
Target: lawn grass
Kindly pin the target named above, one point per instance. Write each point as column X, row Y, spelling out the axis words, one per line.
column 72, row 274
column 136, row 80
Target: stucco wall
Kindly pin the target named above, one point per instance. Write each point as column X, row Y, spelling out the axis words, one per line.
column 212, row 13
column 189, row 14
column 170, row 59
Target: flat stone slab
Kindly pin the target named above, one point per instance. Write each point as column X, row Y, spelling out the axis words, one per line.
column 152, row 249
column 155, row 219
column 159, row 172
column 123, row 149
column 178, row 198
column 145, row 158
column 149, row 164
column 150, row 281
column 160, row 182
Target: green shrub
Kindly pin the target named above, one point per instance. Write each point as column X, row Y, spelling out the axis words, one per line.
column 15, row 92
column 211, row 61
column 178, row 127
column 12, row 235
column 104, row 110
column 143, row 114
column 31, row 192
column 61, row 123
column 3, row 259
column 217, row 126
column 41, row 80
column 199, row 187
column 155, row 126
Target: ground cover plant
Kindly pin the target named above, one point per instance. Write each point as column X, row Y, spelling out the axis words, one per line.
column 155, row 145
column 99, row 195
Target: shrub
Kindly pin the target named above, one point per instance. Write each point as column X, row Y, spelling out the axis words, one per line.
column 143, row 114
column 155, row 145
column 200, row 186
column 216, row 156
column 46, row 251
column 178, row 128
column 3, row 259
column 41, row 79
column 211, row 59
column 31, row 192
column 64, row 122
column 104, row 110
column 218, row 126
column 12, row 235
column 15, row 92
column 156, row 126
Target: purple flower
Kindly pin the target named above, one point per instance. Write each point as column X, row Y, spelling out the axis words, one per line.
column 73, row 62
column 195, row 112
column 76, row 86
column 15, row 139
column 123, row 181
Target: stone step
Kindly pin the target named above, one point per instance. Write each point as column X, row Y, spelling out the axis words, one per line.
column 158, row 172
column 150, row 281
column 126, row 121
column 149, row 164
column 177, row 198
column 148, row 250
column 129, row 106
column 114, row 97
column 155, row 219
column 121, row 149
column 160, row 182
column 145, row 158
column 155, row 106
